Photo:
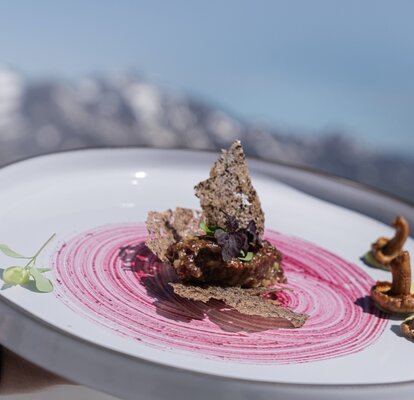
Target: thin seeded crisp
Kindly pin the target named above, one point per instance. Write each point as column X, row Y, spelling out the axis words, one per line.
column 245, row 301
column 168, row 227
column 229, row 192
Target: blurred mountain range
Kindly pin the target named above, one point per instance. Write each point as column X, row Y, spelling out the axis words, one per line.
column 42, row 117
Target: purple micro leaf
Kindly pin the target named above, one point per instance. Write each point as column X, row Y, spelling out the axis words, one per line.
column 253, row 237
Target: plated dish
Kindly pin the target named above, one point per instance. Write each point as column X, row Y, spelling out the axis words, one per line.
column 100, row 207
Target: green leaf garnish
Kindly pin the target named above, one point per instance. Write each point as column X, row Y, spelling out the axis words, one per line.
column 209, row 230
column 11, row 253
column 16, row 275
column 43, row 284
column 43, row 269
column 246, row 257
column 370, row 260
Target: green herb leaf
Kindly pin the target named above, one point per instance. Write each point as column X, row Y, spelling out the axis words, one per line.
column 11, row 253
column 247, row 257
column 42, row 284
column 370, row 260
column 43, row 269
column 43, row 246
column 16, row 276
column 209, row 230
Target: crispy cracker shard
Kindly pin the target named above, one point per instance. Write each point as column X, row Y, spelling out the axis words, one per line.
column 229, row 192
column 245, row 301
column 169, row 227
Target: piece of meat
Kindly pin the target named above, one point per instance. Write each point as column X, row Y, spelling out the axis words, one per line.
column 171, row 226
column 199, row 260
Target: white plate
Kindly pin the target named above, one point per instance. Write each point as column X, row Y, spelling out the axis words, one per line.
column 104, row 321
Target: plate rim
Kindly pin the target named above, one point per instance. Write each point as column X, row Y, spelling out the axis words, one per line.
column 4, row 302
column 311, row 170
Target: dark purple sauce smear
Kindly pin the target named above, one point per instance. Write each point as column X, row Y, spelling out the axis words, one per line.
column 131, row 295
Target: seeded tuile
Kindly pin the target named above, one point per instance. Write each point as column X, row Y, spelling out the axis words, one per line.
column 171, row 226
column 245, row 301
column 229, row 193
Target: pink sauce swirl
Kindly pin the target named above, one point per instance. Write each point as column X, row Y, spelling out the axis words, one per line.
column 137, row 302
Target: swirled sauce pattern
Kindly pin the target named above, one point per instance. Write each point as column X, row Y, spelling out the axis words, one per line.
column 135, row 300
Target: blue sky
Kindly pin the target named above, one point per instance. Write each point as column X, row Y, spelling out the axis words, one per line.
column 306, row 66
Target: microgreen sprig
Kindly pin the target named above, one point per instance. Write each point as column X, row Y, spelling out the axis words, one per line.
column 16, row 275
column 209, row 230
column 246, row 256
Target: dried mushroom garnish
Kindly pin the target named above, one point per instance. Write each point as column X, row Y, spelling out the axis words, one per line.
column 407, row 328
column 229, row 192
column 245, row 301
column 395, row 297
column 384, row 250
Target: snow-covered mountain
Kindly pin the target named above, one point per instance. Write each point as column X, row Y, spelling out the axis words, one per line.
column 42, row 117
